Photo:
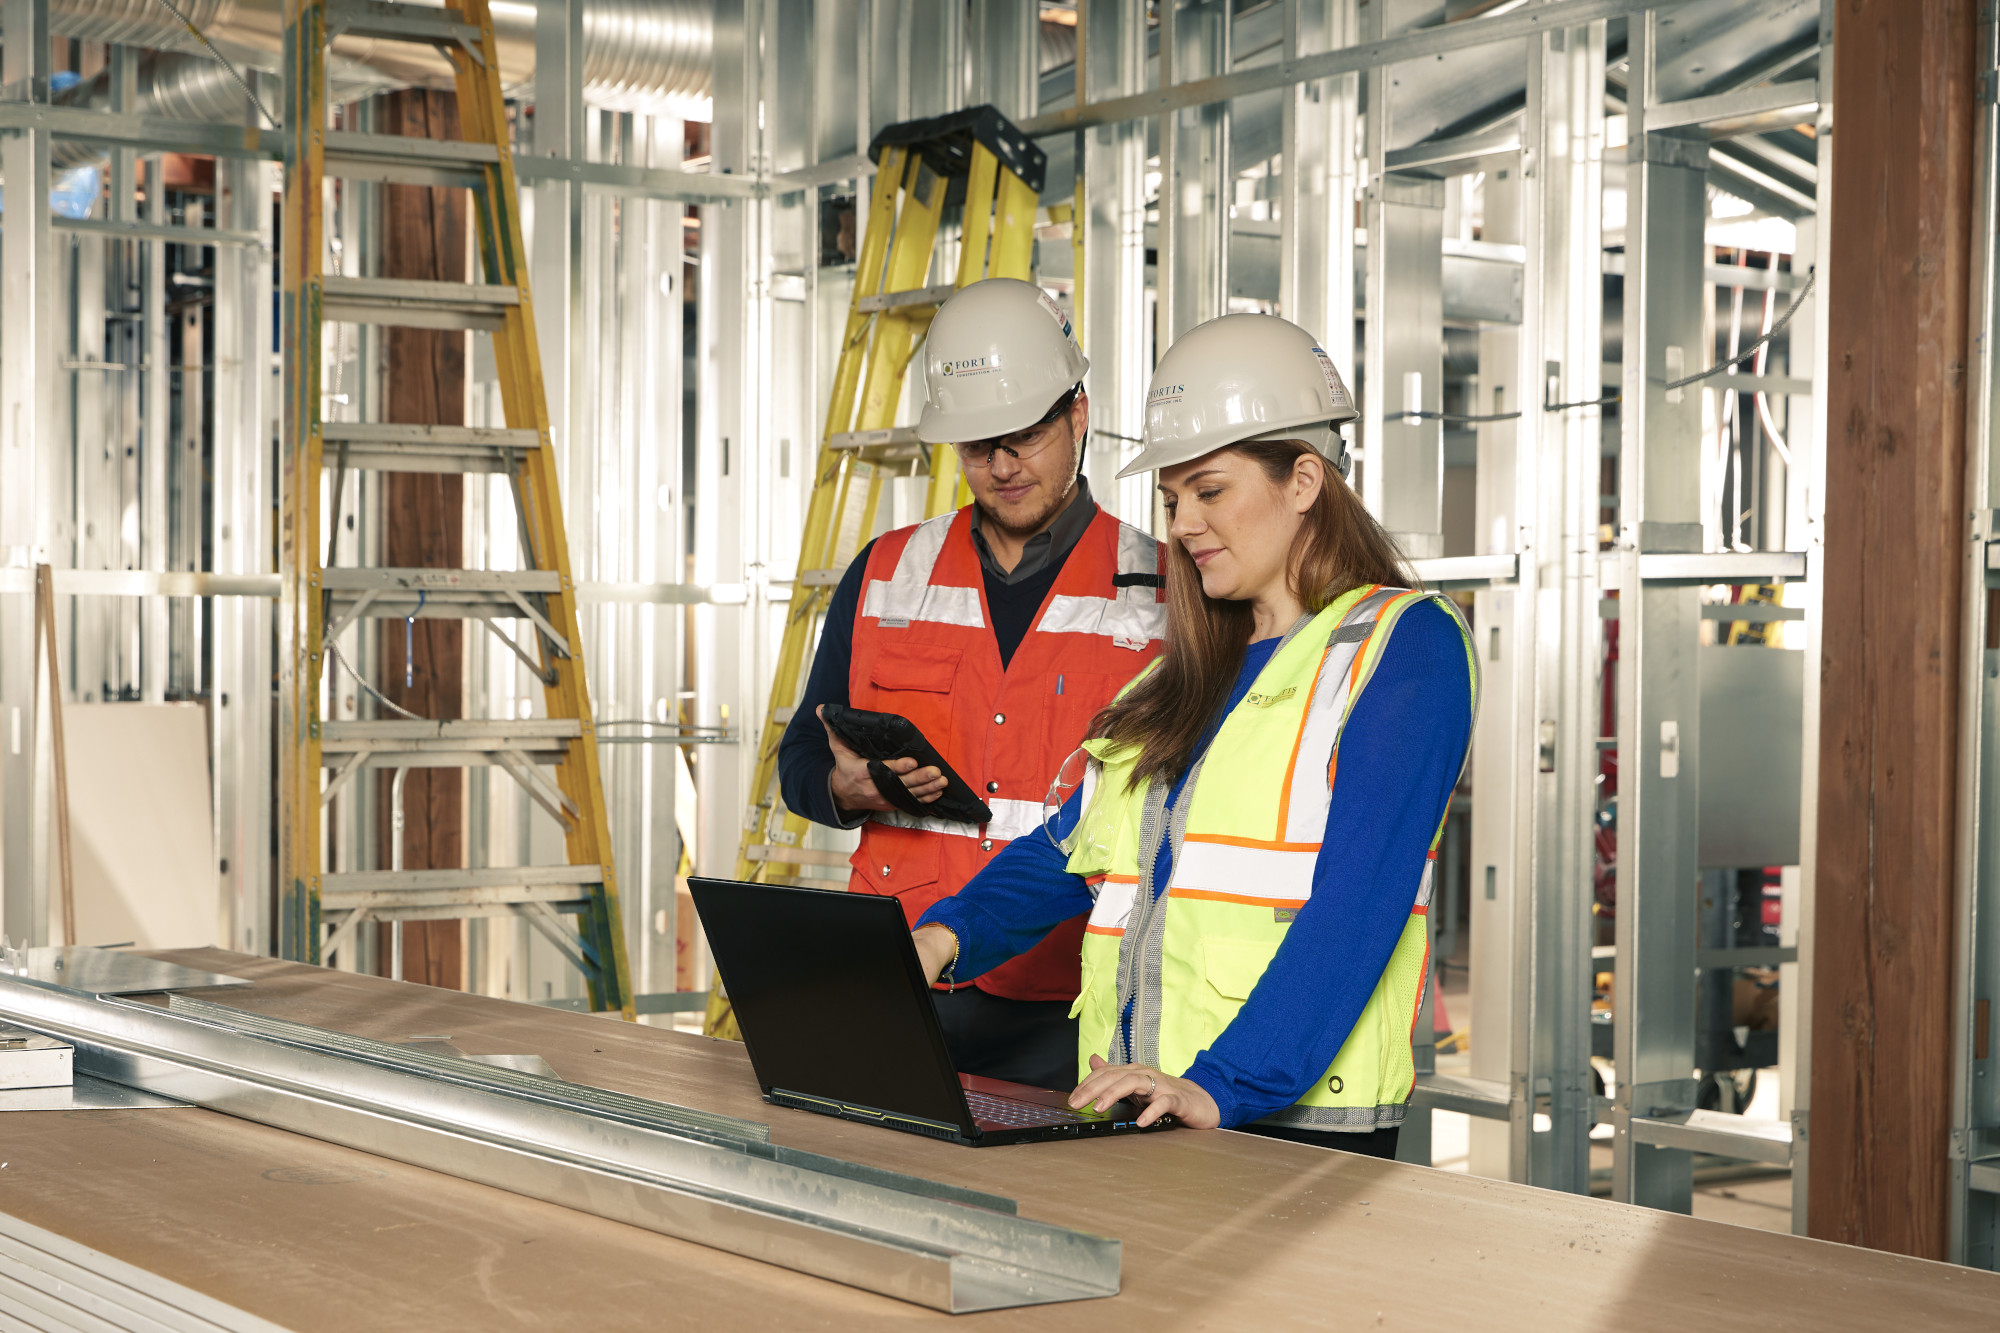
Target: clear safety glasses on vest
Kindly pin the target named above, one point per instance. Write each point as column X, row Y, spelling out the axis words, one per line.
column 1021, row 444
column 1069, row 776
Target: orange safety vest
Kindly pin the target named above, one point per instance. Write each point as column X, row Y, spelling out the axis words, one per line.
column 923, row 647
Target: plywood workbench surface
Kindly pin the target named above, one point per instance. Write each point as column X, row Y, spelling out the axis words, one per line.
column 1221, row 1231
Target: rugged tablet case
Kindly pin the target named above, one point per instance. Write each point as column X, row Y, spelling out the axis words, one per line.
column 880, row 737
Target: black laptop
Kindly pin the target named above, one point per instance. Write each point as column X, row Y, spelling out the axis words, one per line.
column 838, row 1019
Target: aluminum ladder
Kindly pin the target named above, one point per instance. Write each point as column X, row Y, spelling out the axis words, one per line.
column 975, row 162
column 555, row 757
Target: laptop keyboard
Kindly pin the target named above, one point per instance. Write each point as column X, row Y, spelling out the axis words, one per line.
column 1019, row 1115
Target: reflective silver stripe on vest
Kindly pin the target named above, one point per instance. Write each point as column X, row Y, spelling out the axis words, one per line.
column 907, row 595
column 1283, row 877
column 1131, row 618
column 1113, row 907
column 1326, row 715
column 1011, row 820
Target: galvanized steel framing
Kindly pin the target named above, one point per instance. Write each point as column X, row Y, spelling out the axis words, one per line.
column 799, row 90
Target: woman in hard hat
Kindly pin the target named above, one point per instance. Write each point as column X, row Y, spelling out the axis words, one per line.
column 1255, row 818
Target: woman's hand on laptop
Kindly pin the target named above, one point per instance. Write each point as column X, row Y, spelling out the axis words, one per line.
column 937, row 948
column 854, row 789
column 1157, row 1094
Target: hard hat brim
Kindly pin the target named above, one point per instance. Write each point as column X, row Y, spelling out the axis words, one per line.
column 1172, row 453
column 939, row 427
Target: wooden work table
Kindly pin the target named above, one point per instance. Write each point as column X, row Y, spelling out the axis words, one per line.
column 1220, row 1230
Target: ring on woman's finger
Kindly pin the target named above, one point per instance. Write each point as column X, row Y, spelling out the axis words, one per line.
column 1153, row 1091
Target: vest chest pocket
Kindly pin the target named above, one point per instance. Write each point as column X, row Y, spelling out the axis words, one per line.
column 916, row 680
column 1232, row 967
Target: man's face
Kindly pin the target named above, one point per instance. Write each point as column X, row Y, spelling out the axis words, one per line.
column 1031, row 474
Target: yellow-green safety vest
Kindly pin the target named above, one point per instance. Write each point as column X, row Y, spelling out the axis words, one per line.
column 1246, row 837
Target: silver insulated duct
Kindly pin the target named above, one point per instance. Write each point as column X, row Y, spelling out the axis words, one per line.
column 648, row 56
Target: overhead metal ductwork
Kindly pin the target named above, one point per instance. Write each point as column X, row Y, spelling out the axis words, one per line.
column 648, row 56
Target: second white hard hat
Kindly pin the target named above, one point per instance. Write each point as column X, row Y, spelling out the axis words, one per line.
column 998, row 356
column 1240, row 378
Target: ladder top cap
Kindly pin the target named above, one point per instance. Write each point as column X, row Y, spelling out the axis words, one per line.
column 946, row 144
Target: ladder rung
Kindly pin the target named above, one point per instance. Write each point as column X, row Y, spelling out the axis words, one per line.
column 467, row 734
column 818, row 578
column 461, row 888
column 399, row 22
column 916, row 296
column 437, row 594
column 416, row 304
column 490, row 877
column 339, row 900
column 406, row 160
column 804, row 879
column 470, row 743
column 797, row 856
column 872, row 439
column 455, row 911
column 373, row 446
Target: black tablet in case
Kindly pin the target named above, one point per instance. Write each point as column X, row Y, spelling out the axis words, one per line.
column 880, row 737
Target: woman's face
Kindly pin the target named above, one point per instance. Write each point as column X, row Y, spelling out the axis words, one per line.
column 1236, row 523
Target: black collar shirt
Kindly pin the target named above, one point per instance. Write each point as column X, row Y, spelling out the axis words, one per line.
column 1048, row 547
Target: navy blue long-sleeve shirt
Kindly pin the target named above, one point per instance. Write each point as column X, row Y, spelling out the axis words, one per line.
column 805, row 759
column 1400, row 757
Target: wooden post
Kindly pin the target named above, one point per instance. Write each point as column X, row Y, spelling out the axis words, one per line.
column 1898, row 300
column 45, row 633
column 424, row 236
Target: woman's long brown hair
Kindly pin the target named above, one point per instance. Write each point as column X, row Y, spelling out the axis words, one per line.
column 1340, row 547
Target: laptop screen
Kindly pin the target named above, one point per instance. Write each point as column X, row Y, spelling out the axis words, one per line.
column 829, row 997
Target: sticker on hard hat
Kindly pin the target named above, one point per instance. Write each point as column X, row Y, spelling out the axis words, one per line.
column 1048, row 303
column 1165, row 393
column 970, row 365
column 1335, row 390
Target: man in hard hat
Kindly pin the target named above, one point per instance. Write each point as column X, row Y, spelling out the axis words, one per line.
column 999, row 630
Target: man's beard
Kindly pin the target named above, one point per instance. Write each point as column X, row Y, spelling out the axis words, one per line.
column 1030, row 526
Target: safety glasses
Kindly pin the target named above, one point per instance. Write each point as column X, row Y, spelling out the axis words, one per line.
column 1020, row 445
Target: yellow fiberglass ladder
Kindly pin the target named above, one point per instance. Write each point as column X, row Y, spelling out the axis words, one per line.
column 554, row 758
column 975, row 160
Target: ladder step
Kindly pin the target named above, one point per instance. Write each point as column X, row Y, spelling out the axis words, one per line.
column 908, row 300
column 797, row 856
column 497, row 886
column 806, row 880
column 440, row 582
column 399, row 22
column 871, row 439
column 818, row 578
column 452, row 744
column 489, row 877
column 406, row 160
column 377, row 447
column 416, row 304
column 438, row 594
column 457, row 911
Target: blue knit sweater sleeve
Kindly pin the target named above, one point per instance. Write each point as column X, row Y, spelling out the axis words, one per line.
column 1399, row 760
column 1021, row 895
column 805, row 759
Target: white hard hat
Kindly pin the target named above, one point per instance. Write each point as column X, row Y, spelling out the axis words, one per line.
column 998, row 357
column 1239, row 378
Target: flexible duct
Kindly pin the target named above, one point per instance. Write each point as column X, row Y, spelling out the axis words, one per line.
column 172, row 85
column 650, row 56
